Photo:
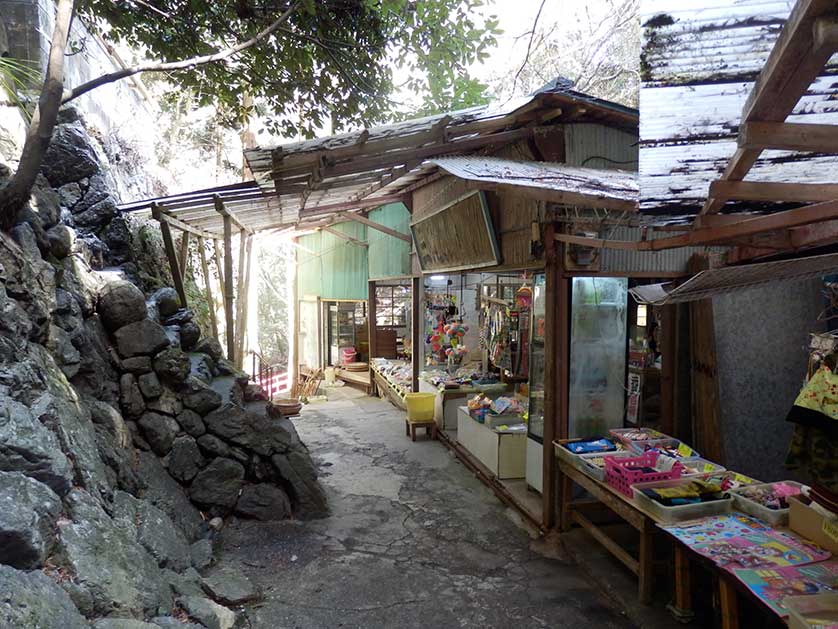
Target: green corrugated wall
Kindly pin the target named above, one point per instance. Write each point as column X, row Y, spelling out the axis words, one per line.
column 388, row 256
column 331, row 267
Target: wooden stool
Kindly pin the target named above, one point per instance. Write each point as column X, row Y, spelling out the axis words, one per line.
column 410, row 428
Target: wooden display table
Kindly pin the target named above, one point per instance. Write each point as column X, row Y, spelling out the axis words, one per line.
column 450, row 400
column 643, row 522
column 502, row 453
column 646, row 524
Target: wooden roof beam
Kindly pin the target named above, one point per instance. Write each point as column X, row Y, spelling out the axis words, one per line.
column 563, row 197
column 789, row 136
column 773, row 191
column 799, row 238
column 183, row 226
column 345, row 237
column 222, row 209
column 387, row 159
column 377, row 226
column 798, row 57
column 808, row 215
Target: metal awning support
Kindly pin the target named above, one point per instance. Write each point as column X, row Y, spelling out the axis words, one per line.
column 732, row 279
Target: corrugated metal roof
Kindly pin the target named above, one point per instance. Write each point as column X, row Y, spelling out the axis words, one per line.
column 699, row 62
column 736, row 278
column 663, row 261
column 303, row 182
column 590, row 187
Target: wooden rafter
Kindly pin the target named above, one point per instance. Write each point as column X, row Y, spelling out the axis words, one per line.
column 807, row 215
column 788, row 136
column 222, row 208
column 345, row 237
column 228, row 280
column 774, row 191
column 377, row 226
column 803, row 48
column 171, row 254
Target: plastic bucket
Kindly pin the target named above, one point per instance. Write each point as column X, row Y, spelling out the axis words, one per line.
column 420, row 406
column 348, row 355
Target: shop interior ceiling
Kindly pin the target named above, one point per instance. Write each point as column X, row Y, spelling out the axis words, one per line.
column 317, row 183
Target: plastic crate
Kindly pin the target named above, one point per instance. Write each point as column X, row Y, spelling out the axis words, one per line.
column 621, row 478
column 595, row 472
column 623, row 435
column 679, row 513
column 420, row 406
column 701, row 467
column 678, row 449
column 773, row 517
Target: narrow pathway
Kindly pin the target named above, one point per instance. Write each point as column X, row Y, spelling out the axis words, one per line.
column 414, row 540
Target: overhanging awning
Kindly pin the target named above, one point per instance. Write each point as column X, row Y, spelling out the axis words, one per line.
column 731, row 279
column 569, row 185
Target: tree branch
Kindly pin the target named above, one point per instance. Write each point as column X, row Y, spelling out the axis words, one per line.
column 16, row 192
column 529, row 45
column 184, row 64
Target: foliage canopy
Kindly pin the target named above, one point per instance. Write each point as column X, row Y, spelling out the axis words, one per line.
column 331, row 61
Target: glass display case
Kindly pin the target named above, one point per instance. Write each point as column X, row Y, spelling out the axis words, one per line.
column 341, row 329
column 536, row 352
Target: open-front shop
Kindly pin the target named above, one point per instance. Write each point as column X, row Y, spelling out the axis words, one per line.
column 391, row 330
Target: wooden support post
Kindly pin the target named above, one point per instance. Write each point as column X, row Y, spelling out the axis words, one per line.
column 208, row 286
column 371, row 324
column 551, row 374
column 219, row 264
column 728, row 603
column 228, row 281
column 682, row 607
column 416, row 335
column 645, row 563
column 669, row 331
column 294, row 367
column 169, row 246
column 239, row 327
column 183, row 258
column 244, row 287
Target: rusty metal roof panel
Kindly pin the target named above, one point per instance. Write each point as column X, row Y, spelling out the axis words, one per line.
column 665, row 261
column 699, row 61
column 589, row 182
column 731, row 279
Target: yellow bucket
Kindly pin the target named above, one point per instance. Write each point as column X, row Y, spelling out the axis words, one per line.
column 420, row 406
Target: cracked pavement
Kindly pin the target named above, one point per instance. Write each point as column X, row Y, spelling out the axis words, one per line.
column 414, row 540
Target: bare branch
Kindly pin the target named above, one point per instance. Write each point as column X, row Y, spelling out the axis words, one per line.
column 529, row 45
column 181, row 65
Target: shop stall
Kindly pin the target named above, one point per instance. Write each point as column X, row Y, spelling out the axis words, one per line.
column 393, row 365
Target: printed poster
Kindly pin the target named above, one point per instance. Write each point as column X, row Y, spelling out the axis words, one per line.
column 735, row 540
column 773, row 585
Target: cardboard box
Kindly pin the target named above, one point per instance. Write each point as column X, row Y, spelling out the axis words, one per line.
column 808, row 523
column 809, row 612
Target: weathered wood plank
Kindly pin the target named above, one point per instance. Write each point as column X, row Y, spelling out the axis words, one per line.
column 171, row 255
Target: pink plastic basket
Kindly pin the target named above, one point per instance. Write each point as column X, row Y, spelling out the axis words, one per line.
column 621, row 478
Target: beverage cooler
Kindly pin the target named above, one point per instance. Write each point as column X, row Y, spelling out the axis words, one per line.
column 535, row 426
column 597, row 368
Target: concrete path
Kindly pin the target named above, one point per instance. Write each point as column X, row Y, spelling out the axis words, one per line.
column 414, row 540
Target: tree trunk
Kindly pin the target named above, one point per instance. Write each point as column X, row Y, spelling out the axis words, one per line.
column 16, row 192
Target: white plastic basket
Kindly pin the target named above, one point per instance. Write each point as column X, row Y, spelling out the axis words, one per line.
column 679, row 513
column 774, row 517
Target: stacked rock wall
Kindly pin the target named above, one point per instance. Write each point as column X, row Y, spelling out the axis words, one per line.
column 125, row 438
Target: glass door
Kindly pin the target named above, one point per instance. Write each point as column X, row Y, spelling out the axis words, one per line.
column 597, row 366
column 536, row 351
